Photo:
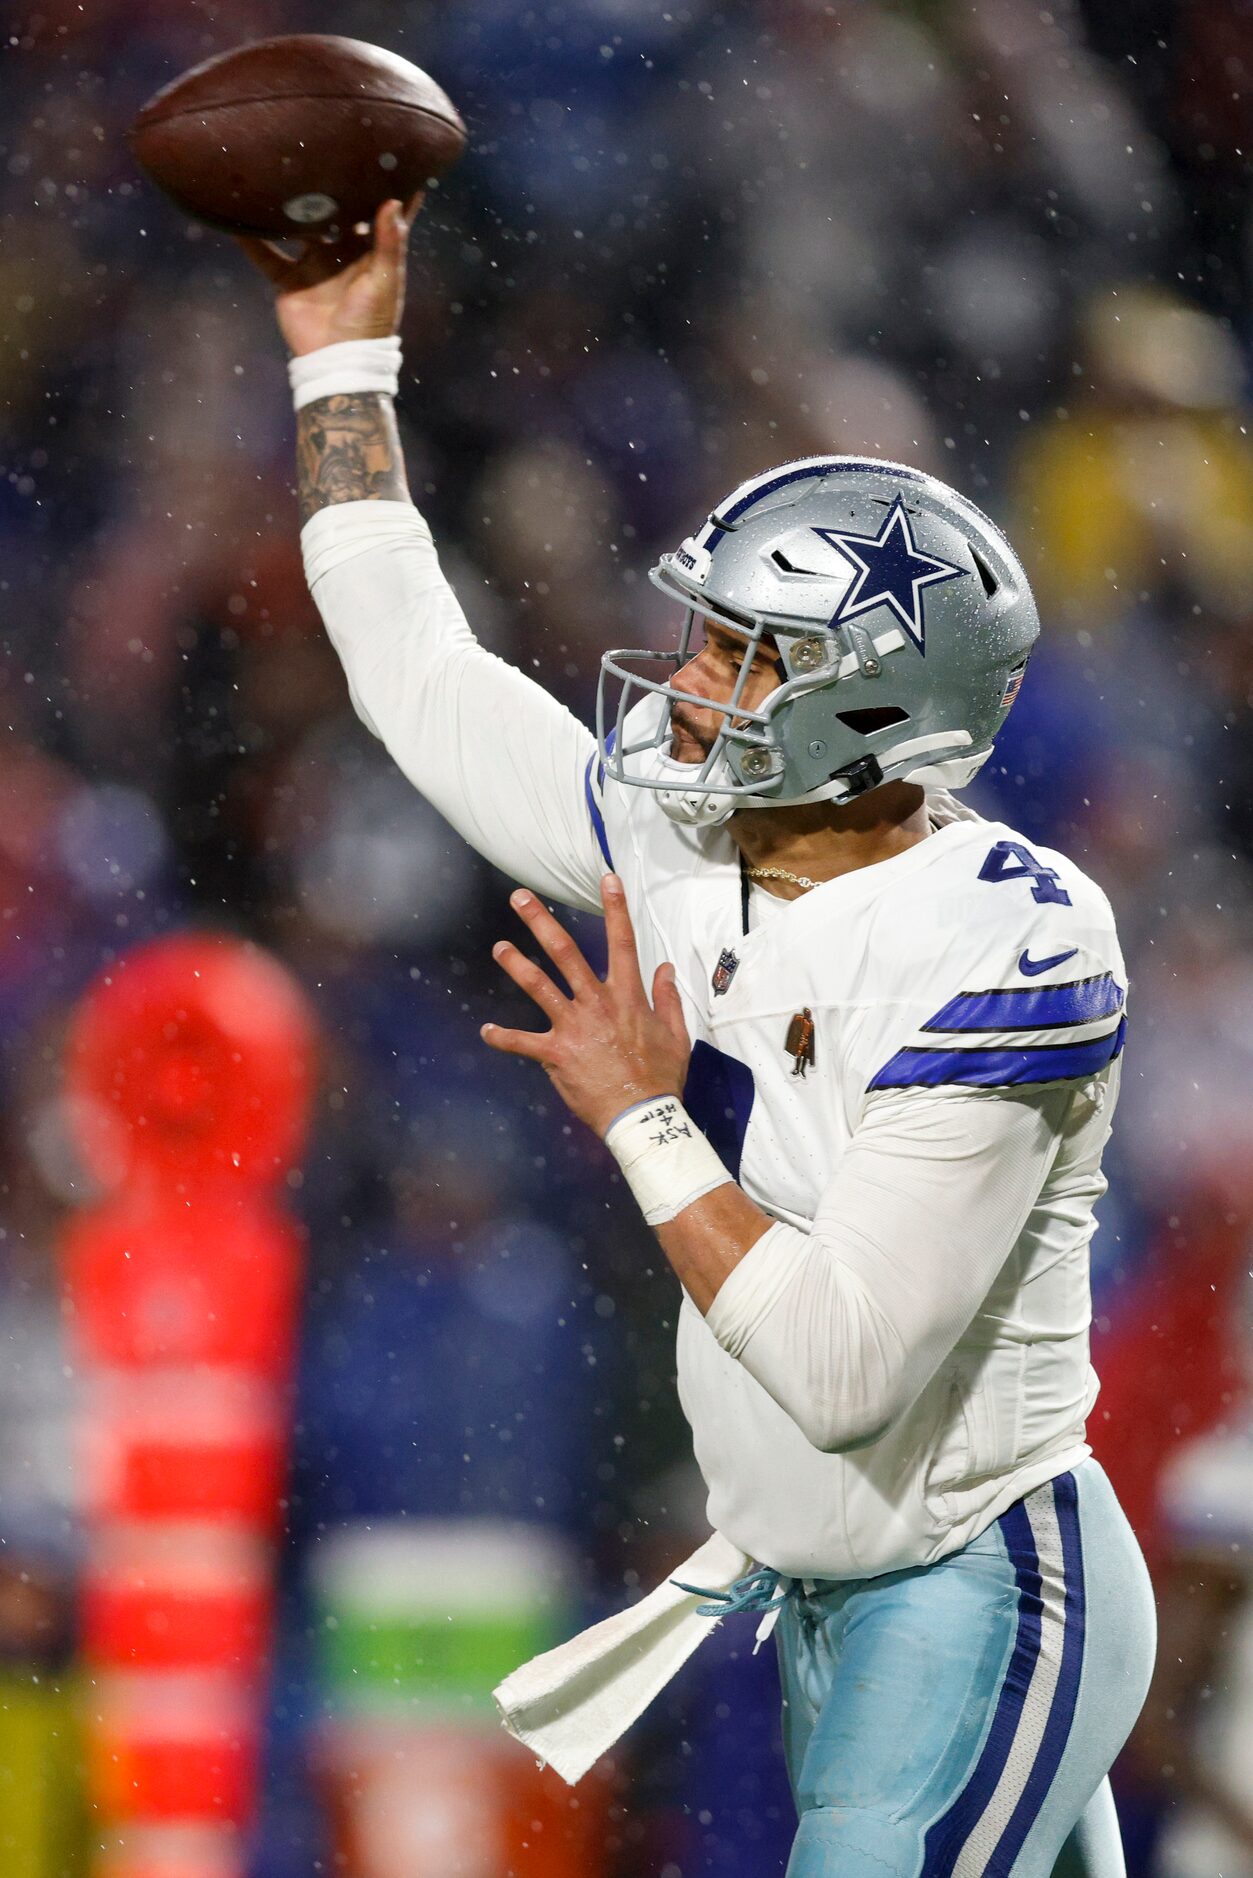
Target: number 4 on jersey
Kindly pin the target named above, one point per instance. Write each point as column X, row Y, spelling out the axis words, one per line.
column 1009, row 860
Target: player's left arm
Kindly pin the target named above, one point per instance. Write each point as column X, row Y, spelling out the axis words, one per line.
column 844, row 1326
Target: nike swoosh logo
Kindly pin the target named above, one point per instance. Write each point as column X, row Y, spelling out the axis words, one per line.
column 1031, row 968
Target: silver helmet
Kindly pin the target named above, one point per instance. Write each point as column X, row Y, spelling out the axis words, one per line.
column 902, row 618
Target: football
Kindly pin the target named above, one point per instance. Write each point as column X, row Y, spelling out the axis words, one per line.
column 305, row 134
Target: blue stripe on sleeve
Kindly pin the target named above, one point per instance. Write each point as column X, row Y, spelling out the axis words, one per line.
column 593, row 809
column 610, row 739
column 997, row 1069
column 1031, row 1007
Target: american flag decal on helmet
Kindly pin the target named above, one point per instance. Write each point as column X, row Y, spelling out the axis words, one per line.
column 1014, row 685
column 724, row 972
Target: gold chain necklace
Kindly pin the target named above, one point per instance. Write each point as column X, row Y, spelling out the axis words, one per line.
column 781, row 873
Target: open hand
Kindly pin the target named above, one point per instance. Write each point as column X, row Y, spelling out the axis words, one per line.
column 608, row 1048
column 333, row 290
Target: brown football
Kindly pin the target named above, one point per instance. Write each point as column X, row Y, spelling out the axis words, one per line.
column 306, row 134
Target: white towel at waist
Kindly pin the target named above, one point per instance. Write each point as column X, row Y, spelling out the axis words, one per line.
column 571, row 1704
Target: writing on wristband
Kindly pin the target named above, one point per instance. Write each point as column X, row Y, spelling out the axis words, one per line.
column 665, row 1159
column 664, row 1115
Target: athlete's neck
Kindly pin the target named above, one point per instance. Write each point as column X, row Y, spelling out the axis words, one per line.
column 824, row 839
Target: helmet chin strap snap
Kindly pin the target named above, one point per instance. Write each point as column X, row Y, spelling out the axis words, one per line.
column 860, row 777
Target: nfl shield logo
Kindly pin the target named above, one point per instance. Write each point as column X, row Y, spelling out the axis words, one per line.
column 724, row 972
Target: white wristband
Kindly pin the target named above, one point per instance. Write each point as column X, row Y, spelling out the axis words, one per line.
column 664, row 1157
column 353, row 365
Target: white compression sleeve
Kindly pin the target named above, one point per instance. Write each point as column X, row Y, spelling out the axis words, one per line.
column 499, row 757
column 844, row 1327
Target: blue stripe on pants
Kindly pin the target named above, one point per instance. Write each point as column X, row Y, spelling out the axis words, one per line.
column 958, row 1718
column 949, row 1834
column 1065, row 1695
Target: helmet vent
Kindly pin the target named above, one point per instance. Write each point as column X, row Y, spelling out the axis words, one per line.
column 789, row 567
column 990, row 582
column 874, row 717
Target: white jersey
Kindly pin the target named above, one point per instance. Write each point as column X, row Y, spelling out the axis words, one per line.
column 913, row 973
column 967, row 1004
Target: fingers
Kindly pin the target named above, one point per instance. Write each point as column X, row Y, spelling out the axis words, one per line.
column 386, row 262
column 268, row 258
column 532, row 1044
column 322, row 259
column 669, row 1005
column 555, row 940
column 390, row 232
column 531, row 979
column 318, row 258
column 624, row 966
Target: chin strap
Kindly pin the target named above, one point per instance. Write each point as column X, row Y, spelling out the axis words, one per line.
column 695, row 811
column 695, row 807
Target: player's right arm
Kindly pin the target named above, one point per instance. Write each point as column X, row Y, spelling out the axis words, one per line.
column 504, row 762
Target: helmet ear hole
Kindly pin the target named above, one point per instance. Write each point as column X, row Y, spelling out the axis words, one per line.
column 874, row 717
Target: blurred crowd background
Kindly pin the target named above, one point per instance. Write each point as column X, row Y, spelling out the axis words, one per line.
column 1010, row 244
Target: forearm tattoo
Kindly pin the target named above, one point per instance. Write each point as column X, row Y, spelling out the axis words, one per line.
column 348, row 450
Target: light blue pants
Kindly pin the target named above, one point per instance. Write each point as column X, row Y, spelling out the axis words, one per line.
column 958, row 1720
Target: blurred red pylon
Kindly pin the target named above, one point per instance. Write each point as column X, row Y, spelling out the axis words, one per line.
column 189, row 1077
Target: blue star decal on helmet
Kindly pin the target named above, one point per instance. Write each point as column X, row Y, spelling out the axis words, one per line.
column 890, row 571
